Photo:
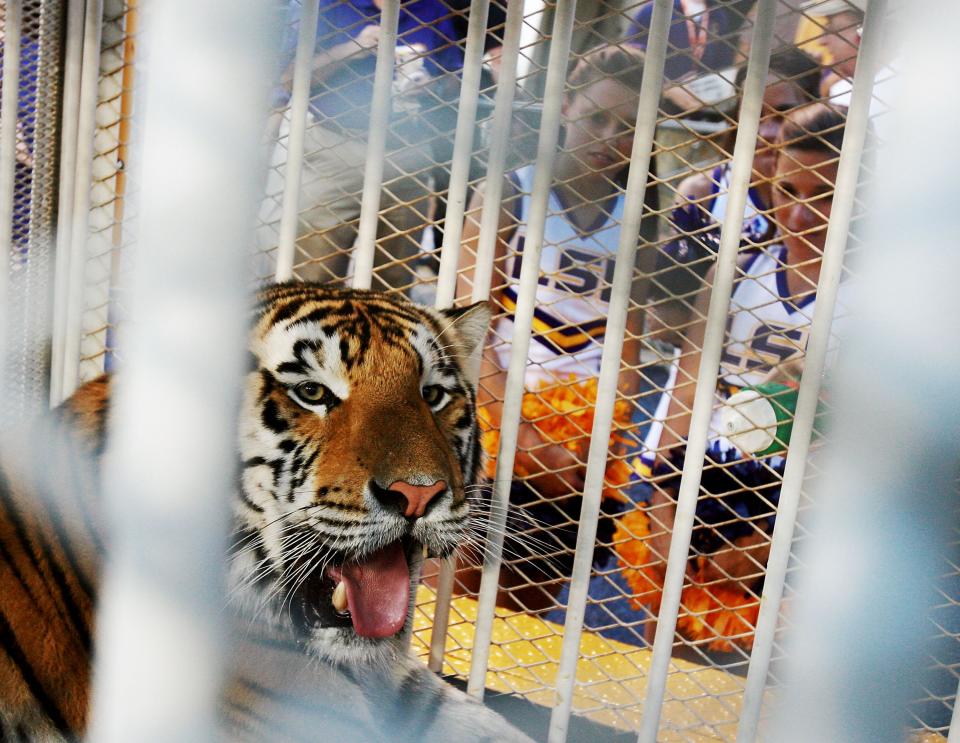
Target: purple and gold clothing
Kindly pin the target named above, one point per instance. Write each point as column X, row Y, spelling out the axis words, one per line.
column 573, row 292
column 685, row 260
column 717, row 53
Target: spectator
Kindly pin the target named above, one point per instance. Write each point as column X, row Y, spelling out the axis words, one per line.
column 735, row 517
column 336, row 141
column 582, row 233
column 842, row 22
column 703, row 39
column 702, row 198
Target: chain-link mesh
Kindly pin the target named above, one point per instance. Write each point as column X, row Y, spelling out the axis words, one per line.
column 812, row 61
column 31, row 260
column 108, row 191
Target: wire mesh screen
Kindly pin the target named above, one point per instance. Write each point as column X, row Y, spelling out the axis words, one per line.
column 792, row 178
column 34, row 197
column 107, row 221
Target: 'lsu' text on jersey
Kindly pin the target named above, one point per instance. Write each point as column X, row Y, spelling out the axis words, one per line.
column 767, row 326
column 573, row 291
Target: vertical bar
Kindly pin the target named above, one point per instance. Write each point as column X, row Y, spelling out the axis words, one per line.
column 166, row 573
column 523, row 317
column 647, row 108
column 462, row 151
column 69, row 122
column 131, row 28
column 887, row 495
column 86, row 130
column 13, row 28
column 501, row 126
column 845, row 191
column 954, row 735
column 529, row 39
column 121, row 204
column 376, row 145
column 441, row 614
column 742, row 165
column 493, row 189
column 302, row 74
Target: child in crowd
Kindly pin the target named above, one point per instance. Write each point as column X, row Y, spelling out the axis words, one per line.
column 770, row 313
column 582, row 233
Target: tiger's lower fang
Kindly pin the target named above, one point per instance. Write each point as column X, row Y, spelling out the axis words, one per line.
column 340, row 597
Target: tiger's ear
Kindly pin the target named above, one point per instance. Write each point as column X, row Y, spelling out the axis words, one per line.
column 471, row 324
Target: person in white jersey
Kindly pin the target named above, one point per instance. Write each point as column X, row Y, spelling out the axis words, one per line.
column 770, row 313
column 701, row 200
column 582, row 232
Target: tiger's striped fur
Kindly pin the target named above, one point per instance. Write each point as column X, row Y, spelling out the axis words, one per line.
column 357, row 440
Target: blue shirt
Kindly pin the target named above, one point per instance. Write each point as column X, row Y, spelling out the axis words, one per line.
column 718, row 52
column 345, row 95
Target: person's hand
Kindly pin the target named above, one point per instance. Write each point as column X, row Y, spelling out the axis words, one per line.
column 553, row 469
column 668, row 457
column 738, row 566
column 325, row 62
column 369, row 37
column 661, row 511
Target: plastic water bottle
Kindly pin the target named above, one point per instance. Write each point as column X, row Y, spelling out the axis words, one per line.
column 410, row 74
column 759, row 420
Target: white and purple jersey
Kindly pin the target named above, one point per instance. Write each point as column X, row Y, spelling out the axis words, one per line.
column 757, row 229
column 766, row 327
column 573, row 290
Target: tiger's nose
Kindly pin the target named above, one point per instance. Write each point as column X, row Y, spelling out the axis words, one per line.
column 417, row 497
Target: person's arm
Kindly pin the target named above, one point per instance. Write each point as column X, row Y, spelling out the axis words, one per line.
column 629, row 383
column 695, row 189
column 679, row 412
column 551, row 468
column 327, row 61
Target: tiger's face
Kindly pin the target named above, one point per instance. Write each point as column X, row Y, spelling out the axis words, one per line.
column 358, row 438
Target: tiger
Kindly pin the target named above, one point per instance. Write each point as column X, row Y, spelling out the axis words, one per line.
column 357, row 445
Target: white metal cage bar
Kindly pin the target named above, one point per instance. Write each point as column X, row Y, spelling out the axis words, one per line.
column 848, row 175
column 500, row 126
column 70, row 116
column 954, row 733
column 76, row 264
column 624, row 276
column 888, row 495
column 302, row 75
column 747, row 129
column 462, row 152
column 166, row 573
column 449, row 257
column 493, row 189
column 529, row 275
column 366, row 244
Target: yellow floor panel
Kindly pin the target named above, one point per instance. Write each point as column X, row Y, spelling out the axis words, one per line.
column 702, row 702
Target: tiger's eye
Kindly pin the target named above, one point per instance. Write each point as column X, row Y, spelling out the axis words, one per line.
column 433, row 394
column 313, row 393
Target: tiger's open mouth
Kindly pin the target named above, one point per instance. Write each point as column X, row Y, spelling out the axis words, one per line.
column 370, row 594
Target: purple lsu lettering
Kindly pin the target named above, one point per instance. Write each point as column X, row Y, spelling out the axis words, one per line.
column 769, row 344
column 578, row 272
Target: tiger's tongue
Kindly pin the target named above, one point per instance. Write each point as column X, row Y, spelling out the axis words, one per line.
column 378, row 592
